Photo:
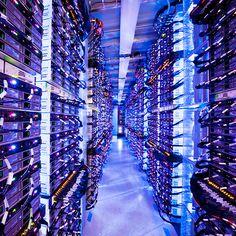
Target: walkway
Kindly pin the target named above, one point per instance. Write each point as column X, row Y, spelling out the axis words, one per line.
column 125, row 206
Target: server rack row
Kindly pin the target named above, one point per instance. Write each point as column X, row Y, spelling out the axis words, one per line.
column 162, row 112
column 99, row 113
column 42, row 173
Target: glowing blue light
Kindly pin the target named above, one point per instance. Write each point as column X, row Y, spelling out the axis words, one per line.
column 13, row 147
column 14, row 82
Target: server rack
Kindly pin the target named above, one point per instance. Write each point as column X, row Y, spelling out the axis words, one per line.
column 20, row 105
column 134, row 117
column 64, row 175
column 121, row 121
column 99, row 113
column 212, row 183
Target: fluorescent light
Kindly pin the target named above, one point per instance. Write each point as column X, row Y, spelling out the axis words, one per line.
column 121, row 84
column 123, row 67
column 128, row 22
column 119, row 96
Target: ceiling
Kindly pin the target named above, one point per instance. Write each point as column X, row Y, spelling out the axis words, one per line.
column 109, row 11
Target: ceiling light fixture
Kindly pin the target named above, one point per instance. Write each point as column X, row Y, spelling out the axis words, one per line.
column 128, row 22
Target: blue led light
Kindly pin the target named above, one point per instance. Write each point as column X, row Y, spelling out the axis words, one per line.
column 13, row 82
column 13, row 147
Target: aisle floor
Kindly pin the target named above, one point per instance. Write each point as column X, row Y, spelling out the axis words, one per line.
column 125, row 206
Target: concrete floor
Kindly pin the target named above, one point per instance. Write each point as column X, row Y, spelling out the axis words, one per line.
column 125, row 206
